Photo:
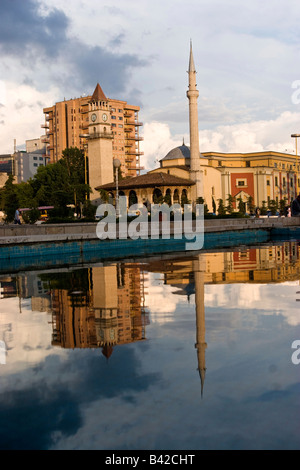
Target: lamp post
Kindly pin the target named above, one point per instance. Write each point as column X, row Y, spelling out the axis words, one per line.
column 295, row 136
column 85, row 136
column 117, row 165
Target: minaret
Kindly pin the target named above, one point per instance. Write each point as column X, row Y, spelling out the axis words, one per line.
column 198, row 269
column 195, row 167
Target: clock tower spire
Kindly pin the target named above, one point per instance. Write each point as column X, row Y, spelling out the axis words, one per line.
column 100, row 156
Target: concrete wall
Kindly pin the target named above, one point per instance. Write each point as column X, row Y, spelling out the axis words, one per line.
column 12, row 234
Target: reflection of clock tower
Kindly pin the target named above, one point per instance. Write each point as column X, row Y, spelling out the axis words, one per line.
column 99, row 142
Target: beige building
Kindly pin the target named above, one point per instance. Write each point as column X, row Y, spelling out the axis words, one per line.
column 67, row 120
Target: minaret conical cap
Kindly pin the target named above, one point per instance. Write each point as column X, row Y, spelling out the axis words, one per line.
column 191, row 64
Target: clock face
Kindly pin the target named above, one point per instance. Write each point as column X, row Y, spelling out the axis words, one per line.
column 104, row 117
column 94, row 117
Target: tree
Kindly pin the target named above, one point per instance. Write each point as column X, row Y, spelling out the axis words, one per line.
column 214, row 205
column 10, row 201
column 273, row 206
column 73, row 159
column 241, row 206
column 221, row 207
column 263, row 209
column 230, row 201
column 250, row 204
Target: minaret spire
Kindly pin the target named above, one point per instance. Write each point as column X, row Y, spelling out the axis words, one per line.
column 193, row 94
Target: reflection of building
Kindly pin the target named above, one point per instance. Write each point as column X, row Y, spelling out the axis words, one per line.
column 108, row 310
column 273, row 264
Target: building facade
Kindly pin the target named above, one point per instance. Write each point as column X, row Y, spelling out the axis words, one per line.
column 68, row 120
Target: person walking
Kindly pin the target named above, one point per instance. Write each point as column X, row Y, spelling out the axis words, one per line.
column 17, row 217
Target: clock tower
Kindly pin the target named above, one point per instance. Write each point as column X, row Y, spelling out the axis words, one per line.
column 100, row 156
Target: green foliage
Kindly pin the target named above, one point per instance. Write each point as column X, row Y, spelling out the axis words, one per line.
column 104, row 196
column 263, row 208
column 241, row 206
column 184, row 199
column 9, row 199
column 214, row 206
column 273, row 206
column 89, row 210
column 221, row 207
column 250, row 204
column 230, row 201
column 31, row 216
column 167, row 199
column 282, row 205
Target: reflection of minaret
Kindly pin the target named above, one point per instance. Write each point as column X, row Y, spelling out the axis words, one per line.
column 195, row 167
column 198, row 265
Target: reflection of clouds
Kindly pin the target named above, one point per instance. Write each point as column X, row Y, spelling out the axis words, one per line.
column 267, row 299
column 29, row 336
column 160, row 301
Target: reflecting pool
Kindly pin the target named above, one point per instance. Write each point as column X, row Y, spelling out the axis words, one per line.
column 175, row 352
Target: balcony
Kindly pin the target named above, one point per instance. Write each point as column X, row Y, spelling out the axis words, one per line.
column 45, row 126
column 134, row 153
column 136, row 138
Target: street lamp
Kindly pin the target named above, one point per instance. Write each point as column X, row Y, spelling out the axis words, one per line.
column 295, row 136
column 117, row 165
column 85, row 136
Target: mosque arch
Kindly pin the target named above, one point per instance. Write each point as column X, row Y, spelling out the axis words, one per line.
column 133, row 199
column 157, row 196
column 176, row 199
column 168, row 197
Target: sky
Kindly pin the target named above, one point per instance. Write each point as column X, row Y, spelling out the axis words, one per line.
column 246, row 56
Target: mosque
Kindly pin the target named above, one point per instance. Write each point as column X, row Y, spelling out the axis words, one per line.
column 185, row 174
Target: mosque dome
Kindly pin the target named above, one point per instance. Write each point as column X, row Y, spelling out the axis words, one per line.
column 178, row 152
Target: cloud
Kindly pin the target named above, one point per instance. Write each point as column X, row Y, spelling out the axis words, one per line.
column 43, row 40
column 23, row 28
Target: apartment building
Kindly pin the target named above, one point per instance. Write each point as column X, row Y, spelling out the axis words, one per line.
column 67, row 121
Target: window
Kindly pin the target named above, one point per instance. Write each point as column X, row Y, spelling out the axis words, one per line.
column 35, row 164
column 268, row 182
column 34, row 158
column 248, row 164
column 120, row 118
column 120, row 125
column 283, row 166
column 283, row 182
column 276, row 180
column 241, row 182
column 275, row 165
column 113, row 117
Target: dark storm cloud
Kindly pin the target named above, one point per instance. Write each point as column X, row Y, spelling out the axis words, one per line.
column 75, row 67
column 112, row 71
column 22, row 28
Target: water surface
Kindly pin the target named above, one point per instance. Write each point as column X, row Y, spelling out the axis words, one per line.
column 186, row 352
